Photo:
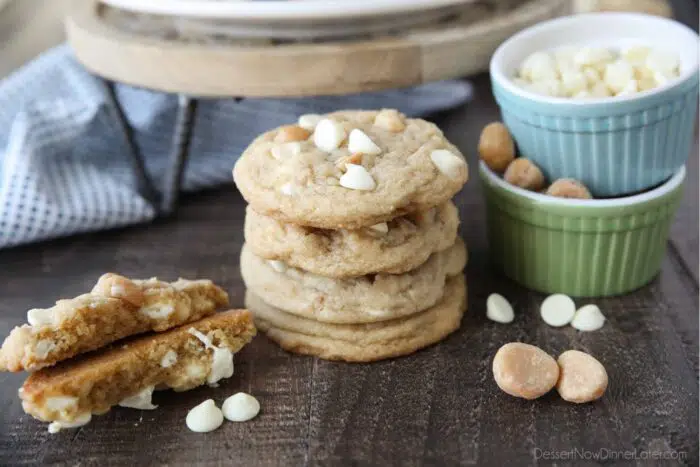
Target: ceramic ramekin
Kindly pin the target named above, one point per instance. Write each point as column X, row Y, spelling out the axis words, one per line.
column 583, row 248
column 616, row 145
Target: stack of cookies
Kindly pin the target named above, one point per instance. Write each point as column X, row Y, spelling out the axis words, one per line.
column 351, row 246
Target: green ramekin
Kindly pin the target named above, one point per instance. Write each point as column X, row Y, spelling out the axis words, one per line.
column 582, row 248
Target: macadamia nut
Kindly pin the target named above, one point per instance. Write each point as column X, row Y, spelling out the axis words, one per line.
column 582, row 378
column 569, row 188
column 525, row 371
column 116, row 286
column 292, row 133
column 525, row 174
column 496, row 147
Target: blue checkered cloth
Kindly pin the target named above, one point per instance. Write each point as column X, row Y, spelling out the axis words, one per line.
column 63, row 167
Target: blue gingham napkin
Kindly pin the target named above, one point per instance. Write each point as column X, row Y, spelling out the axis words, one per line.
column 63, row 168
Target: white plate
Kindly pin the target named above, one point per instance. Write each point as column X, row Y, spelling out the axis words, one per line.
column 290, row 10
column 304, row 30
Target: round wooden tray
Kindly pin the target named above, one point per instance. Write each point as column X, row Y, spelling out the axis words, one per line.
column 218, row 67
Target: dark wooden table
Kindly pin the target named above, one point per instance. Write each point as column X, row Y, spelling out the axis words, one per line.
column 437, row 407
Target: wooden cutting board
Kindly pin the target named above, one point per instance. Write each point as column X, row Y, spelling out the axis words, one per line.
column 216, row 67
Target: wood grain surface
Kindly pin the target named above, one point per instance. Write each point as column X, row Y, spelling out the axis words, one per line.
column 437, row 407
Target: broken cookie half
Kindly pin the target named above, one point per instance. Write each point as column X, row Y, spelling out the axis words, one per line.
column 69, row 393
column 117, row 307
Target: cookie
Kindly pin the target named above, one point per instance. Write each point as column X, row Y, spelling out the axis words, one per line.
column 363, row 342
column 181, row 358
column 363, row 299
column 357, row 169
column 393, row 247
column 117, row 307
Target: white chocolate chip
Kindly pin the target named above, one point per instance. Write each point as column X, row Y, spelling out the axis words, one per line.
column 573, row 82
column 632, row 87
column 592, row 76
column 309, row 121
column 157, row 311
column 221, row 365
column 448, row 163
column 222, row 358
column 498, row 309
column 662, row 62
column 278, row 266
column 205, row 417
column 635, row 54
column 548, row 87
column 359, row 142
column 588, row 318
column 599, row 90
column 117, row 290
column 44, row 348
column 593, row 56
column 329, row 135
column 61, row 403
column 356, row 177
column 40, row 317
column 169, row 359
column 288, row 189
column 564, row 59
column 240, row 407
column 617, row 75
column 538, row 66
column 381, row 228
column 597, row 72
column 286, row 150
column 142, row 400
column 557, row 310
column 80, row 420
column 661, row 78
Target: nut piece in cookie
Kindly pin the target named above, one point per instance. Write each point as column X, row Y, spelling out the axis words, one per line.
column 116, row 286
column 525, row 174
column 390, row 120
column 496, row 147
column 95, row 382
column 107, row 314
column 288, row 134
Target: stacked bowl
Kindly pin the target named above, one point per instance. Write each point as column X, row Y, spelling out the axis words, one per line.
column 629, row 150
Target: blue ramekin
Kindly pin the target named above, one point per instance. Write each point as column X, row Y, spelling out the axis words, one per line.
column 616, row 145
